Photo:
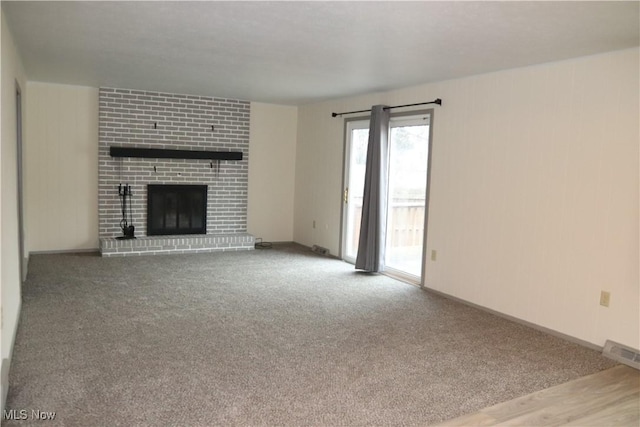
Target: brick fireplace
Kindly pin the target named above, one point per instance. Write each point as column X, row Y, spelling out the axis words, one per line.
column 169, row 122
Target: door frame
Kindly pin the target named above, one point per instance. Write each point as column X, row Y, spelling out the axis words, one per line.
column 345, row 181
column 412, row 119
column 427, row 199
column 20, row 182
column 345, row 153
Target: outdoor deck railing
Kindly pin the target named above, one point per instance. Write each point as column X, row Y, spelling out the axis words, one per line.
column 406, row 223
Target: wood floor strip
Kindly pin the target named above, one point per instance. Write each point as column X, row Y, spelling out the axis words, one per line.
column 562, row 404
column 472, row 420
column 567, row 409
column 609, row 397
column 625, row 412
column 543, row 398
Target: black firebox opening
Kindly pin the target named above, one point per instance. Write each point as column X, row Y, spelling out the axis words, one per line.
column 176, row 209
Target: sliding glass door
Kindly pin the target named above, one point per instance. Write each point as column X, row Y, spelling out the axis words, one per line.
column 407, row 177
column 356, row 159
column 408, row 160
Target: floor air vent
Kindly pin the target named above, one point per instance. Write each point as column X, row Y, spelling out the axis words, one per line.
column 320, row 250
column 621, row 353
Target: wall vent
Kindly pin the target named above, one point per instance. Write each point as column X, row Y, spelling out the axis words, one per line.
column 621, row 353
column 320, row 250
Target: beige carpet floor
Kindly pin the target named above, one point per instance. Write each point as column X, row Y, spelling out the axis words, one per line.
column 279, row 337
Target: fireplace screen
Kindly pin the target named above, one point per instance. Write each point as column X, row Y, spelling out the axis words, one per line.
column 176, row 209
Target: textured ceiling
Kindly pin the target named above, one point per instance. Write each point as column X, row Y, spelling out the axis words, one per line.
column 301, row 52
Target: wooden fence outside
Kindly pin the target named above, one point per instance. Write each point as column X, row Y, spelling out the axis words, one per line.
column 406, row 223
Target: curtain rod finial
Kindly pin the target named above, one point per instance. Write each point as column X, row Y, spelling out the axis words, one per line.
column 438, row 101
column 334, row 114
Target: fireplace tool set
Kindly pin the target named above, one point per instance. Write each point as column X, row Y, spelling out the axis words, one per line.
column 124, row 192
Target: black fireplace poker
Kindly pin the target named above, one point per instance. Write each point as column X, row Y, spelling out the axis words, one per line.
column 128, row 231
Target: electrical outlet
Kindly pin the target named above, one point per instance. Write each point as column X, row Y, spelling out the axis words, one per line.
column 314, row 223
column 605, row 297
column 434, row 255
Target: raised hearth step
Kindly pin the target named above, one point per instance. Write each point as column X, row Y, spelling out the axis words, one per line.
column 156, row 245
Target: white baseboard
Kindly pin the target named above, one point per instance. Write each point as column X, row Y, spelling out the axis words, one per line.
column 4, row 375
column 566, row 337
column 6, row 362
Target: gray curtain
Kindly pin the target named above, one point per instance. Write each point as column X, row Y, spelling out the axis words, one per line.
column 371, row 244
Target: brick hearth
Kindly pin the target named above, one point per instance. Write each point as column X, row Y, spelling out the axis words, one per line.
column 157, row 245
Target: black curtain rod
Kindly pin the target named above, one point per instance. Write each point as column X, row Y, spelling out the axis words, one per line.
column 437, row 101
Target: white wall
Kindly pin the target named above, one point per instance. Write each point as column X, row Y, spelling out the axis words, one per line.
column 61, row 167
column 10, row 300
column 272, row 154
column 534, row 190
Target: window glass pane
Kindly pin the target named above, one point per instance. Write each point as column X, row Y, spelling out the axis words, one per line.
column 408, row 160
